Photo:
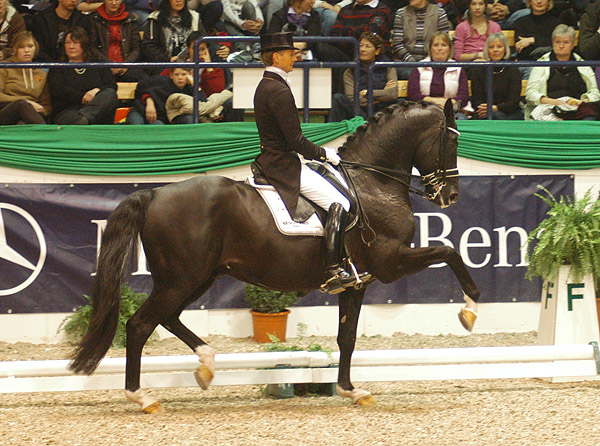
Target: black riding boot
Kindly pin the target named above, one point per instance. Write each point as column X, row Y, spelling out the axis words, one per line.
column 339, row 278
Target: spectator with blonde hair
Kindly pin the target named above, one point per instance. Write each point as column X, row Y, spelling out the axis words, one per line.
column 506, row 83
column 11, row 25
column 24, row 94
column 533, row 32
column 438, row 84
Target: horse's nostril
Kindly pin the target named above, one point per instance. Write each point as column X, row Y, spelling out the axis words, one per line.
column 453, row 197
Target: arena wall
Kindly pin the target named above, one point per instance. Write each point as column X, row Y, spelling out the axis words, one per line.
column 431, row 319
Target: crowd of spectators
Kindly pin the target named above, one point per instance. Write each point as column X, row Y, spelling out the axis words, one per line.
column 164, row 31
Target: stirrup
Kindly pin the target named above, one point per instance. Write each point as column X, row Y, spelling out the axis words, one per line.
column 338, row 282
column 341, row 280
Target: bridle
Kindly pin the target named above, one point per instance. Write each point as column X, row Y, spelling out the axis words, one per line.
column 433, row 182
column 436, row 180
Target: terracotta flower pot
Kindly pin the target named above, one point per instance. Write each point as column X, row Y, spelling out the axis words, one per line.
column 272, row 323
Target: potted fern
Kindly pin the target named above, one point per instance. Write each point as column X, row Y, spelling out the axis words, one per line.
column 269, row 311
column 567, row 257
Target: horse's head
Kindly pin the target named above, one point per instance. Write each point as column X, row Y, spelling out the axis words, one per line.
column 437, row 161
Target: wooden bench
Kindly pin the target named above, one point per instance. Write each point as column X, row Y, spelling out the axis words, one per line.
column 126, row 90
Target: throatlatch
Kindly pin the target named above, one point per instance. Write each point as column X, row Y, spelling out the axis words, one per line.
column 339, row 279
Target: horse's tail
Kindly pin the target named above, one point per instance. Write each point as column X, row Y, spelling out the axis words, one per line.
column 121, row 232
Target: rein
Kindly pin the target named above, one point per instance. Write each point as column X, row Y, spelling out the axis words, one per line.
column 435, row 180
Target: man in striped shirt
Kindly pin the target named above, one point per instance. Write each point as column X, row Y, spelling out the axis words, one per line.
column 413, row 27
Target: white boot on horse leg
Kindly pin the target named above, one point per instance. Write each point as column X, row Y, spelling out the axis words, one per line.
column 468, row 314
column 148, row 404
column 206, row 372
column 360, row 397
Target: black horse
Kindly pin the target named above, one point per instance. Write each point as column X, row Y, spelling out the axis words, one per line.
column 197, row 230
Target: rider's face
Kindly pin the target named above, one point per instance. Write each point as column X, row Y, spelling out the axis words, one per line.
column 284, row 59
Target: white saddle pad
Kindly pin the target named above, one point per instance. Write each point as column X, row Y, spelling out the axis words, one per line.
column 282, row 218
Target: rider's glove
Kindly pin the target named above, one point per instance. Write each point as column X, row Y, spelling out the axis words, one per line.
column 331, row 156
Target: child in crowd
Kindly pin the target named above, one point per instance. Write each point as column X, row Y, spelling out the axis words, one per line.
column 151, row 97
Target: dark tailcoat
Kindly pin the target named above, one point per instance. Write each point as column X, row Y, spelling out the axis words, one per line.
column 281, row 138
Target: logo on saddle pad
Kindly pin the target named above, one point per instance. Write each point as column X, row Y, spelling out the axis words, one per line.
column 283, row 220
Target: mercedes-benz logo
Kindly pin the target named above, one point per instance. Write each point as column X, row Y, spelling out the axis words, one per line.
column 9, row 254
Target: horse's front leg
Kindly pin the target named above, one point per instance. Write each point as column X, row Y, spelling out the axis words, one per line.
column 350, row 302
column 413, row 260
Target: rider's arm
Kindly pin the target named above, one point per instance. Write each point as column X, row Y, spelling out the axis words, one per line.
column 285, row 111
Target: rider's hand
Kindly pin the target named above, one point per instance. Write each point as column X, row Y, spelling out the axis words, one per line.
column 331, row 156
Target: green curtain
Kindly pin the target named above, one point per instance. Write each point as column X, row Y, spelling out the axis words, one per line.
column 143, row 150
column 171, row 149
column 537, row 145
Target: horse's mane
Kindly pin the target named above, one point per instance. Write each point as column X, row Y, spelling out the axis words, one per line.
column 379, row 120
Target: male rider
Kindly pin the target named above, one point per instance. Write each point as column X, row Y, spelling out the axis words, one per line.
column 282, row 140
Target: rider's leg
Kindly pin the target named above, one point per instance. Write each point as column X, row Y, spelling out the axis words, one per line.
column 314, row 187
column 339, row 278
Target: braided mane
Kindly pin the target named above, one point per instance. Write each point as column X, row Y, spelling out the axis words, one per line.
column 378, row 121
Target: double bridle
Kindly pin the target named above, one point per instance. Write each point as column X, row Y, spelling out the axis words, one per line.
column 434, row 181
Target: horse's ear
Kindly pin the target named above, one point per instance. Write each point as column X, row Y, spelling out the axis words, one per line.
column 449, row 112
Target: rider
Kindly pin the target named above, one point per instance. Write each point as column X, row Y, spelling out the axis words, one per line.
column 282, row 140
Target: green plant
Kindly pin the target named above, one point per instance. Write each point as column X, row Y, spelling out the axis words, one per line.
column 262, row 300
column 570, row 235
column 76, row 324
column 277, row 346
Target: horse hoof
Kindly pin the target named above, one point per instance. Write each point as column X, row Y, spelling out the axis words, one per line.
column 203, row 376
column 366, row 401
column 153, row 408
column 467, row 318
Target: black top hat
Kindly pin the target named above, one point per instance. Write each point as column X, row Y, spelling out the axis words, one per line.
column 276, row 42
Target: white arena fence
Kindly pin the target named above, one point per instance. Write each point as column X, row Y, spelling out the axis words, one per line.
column 565, row 362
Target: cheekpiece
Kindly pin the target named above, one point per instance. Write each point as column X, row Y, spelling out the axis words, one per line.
column 276, row 42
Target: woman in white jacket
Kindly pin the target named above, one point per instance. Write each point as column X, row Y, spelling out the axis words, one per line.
column 548, row 87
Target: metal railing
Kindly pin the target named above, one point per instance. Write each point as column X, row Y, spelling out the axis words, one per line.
column 307, row 65
column 196, row 64
column 489, row 65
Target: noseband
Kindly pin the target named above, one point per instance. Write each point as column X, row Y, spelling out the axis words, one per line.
column 436, row 180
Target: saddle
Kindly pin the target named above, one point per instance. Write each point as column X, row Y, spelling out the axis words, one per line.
column 307, row 212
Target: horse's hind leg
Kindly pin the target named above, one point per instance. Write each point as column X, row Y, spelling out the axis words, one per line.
column 206, row 372
column 160, row 305
column 350, row 302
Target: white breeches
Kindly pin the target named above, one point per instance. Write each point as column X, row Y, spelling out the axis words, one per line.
column 317, row 189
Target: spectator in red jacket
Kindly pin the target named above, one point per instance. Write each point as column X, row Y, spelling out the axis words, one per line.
column 115, row 37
